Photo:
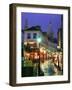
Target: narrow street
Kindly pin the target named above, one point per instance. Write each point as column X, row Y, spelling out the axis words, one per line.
column 49, row 68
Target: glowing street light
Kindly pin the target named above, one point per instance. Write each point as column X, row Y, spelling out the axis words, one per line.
column 39, row 39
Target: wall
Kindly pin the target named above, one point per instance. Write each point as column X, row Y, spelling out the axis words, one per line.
column 31, row 34
column 4, row 45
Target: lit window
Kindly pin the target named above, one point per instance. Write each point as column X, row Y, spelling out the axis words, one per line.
column 34, row 35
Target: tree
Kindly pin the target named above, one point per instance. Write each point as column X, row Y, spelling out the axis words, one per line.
column 50, row 32
column 26, row 24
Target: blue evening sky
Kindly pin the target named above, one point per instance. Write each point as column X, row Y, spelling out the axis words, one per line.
column 42, row 20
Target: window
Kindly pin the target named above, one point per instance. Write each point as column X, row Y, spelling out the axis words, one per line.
column 28, row 35
column 34, row 35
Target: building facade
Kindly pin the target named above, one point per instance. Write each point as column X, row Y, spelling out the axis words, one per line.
column 30, row 40
column 60, row 35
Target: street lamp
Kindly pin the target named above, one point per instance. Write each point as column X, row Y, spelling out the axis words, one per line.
column 39, row 40
column 58, row 48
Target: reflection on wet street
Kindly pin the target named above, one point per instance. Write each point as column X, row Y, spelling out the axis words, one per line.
column 52, row 66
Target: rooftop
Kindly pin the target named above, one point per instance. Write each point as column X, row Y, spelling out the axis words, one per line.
column 33, row 28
